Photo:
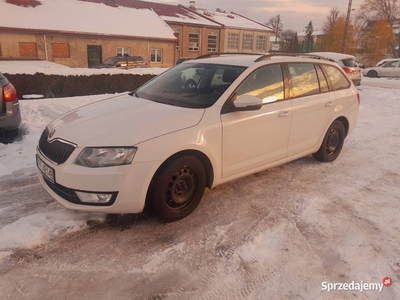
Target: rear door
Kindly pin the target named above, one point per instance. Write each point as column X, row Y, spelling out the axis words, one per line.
column 389, row 69
column 312, row 104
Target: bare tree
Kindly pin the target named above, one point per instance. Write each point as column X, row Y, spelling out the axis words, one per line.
column 276, row 23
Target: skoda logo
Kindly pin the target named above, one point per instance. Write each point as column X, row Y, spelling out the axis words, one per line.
column 51, row 133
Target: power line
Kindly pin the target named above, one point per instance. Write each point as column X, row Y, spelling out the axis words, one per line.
column 310, row 12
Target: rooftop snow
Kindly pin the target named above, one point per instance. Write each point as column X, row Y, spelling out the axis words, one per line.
column 168, row 12
column 315, row 33
column 83, row 17
column 232, row 20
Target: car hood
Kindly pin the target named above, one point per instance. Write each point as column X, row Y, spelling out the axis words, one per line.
column 122, row 121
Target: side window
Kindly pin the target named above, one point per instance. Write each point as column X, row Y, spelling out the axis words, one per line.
column 265, row 83
column 304, row 80
column 323, row 84
column 338, row 80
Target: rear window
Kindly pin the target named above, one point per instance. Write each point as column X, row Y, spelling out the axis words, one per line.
column 350, row 63
column 304, row 80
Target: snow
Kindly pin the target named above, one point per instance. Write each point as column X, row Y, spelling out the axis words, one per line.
column 248, row 239
column 51, row 68
column 232, row 20
column 32, row 96
column 55, row 15
column 190, row 18
column 35, row 229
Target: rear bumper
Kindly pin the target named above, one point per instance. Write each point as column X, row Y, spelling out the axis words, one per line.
column 11, row 119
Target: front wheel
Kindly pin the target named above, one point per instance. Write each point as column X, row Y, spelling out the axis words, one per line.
column 332, row 143
column 372, row 74
column 177, row 188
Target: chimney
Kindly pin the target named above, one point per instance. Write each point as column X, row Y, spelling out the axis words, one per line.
column 192, row 5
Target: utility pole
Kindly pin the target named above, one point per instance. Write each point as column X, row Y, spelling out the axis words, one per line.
column 346, row 27
column 278, row 21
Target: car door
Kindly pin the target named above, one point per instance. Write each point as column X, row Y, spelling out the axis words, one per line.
column 394, row 70
column 389, row 69
column 254, row 138
column 312, row 105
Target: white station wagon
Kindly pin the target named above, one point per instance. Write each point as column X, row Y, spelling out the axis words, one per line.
column 162, row 145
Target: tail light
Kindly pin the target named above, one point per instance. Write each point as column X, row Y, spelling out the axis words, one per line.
column 348, row 71
column 9, row 93
column 358, row 98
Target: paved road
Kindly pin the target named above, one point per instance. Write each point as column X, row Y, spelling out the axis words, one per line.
column 274, row 235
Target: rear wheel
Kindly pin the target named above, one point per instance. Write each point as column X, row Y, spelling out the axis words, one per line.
column 373, row 74
column 332, row 144
column 177, row 188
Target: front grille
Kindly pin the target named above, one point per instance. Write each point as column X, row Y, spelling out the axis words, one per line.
column 57, row 151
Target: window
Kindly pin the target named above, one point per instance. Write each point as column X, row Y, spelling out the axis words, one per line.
column 323, row 84
column 260, row 43
column 28, row 50
column 390, row 64
column 233, row 40
column 193, row 42
column 156, row 55
column 60, row 50
column 338, row 80
column 212, row 42
column 248, row 42
column 304, row 80
column 265, row 83
column 123, row 51
column 177, row 33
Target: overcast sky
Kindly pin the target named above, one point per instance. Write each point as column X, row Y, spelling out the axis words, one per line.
column 295, row 14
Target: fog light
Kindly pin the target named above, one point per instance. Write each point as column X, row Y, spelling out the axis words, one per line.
column 94, row 198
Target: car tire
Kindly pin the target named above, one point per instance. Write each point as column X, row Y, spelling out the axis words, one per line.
column 332, row 144
column 177, row 188
column 372, row 74
column 190, row 84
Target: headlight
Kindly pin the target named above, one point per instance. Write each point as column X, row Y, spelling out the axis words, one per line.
column 106, row 157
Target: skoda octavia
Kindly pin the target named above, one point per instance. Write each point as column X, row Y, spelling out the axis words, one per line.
column 160, row 146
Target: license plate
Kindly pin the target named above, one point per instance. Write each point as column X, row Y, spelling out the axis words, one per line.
column 48, row 172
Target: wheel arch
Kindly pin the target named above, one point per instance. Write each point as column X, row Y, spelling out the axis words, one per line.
column 345, row 123
column 199, row 155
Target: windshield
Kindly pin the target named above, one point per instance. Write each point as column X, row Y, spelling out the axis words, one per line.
column 110, row 61
column 191, row 85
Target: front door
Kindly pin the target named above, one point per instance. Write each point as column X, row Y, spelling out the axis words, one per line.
column 94, row 55
column 255, row 138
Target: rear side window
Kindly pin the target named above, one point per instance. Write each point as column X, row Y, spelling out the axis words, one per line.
column 338, row 80
column 323, row 84
column 304, row 80
column 349, row 63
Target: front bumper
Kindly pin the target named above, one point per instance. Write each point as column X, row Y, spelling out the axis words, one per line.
column 128, row 184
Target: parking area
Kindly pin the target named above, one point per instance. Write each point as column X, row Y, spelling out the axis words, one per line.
column 278, row 234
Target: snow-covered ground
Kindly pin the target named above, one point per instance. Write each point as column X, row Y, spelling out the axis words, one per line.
column 50, row 68
column 273, row 235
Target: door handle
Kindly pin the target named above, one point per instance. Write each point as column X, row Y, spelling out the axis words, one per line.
column 283, row 114
column 330, row 103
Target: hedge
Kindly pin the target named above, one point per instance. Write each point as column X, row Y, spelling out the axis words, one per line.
column 54, row 86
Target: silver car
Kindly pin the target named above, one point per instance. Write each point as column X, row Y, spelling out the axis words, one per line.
column 388, row 69
column 347, row 62
column 10, row 116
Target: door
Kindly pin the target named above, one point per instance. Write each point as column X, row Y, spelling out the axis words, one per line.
column 94, row 55
column 391, row 69
column 312, row 106
column 254, row 138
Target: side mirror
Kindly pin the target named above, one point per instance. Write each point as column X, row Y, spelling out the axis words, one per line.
column 248, row 102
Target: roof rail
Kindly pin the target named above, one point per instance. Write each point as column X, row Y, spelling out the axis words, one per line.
column 209, row 55
column 305, row 55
